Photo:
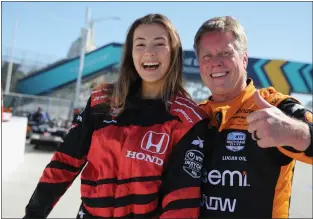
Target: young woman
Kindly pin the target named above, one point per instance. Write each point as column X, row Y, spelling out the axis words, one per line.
column 140, row 141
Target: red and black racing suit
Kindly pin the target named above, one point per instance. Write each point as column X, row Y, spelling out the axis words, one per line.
column 145, row 162
column 242, row 179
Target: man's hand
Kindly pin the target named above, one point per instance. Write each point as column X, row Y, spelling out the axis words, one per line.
column 270, row 127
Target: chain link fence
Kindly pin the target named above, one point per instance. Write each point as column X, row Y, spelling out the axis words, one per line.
column 28, row 61
column 22, row 105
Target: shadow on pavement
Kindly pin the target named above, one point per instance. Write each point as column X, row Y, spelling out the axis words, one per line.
column 45, row 149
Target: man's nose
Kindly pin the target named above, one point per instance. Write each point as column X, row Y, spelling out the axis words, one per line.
column 216, row 61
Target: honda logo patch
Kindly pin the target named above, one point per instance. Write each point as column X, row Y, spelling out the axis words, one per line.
column 155, row 142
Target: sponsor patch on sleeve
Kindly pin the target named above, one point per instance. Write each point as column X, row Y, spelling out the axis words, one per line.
column 308, row 117
column 193, row 163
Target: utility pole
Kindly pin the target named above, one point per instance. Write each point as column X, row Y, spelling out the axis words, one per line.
column 84, row 36
column 84, row 32
column 10, row 67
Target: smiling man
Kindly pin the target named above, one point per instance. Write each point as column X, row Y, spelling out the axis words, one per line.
column 259, row 134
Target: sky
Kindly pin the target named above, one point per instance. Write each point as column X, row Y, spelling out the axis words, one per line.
column 275, row 30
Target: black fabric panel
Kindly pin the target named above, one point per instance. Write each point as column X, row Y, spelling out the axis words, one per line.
column 119, row 202
column 262, row 167
column 77, row 141
column 139, row 179
column 41, row 202
column 152, row 214
column 62, row 166
column 181, row 204
column 122, row 181
column 176, row 161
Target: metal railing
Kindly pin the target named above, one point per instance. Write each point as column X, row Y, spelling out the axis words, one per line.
column 23, row 104
column 58, row 108
column 28, row 61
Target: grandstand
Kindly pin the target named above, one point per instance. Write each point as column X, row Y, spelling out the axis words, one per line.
column 58, row 80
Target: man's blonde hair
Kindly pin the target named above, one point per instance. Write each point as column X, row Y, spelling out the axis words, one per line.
column 223, row 24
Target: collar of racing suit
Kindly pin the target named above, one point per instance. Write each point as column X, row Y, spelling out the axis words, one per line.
column 223, row 111
column 134, row 100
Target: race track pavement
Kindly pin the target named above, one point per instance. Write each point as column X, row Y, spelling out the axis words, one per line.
column 18, row 187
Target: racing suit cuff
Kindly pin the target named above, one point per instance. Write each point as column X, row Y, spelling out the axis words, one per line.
column 309, row 151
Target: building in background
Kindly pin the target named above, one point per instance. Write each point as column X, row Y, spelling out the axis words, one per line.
column 101, row 65
column 76, row 46
column 58, row 80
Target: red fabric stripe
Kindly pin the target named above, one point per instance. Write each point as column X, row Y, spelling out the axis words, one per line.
column 64, row 158
column 185, row 193
column 136, row 209
column 101, row 94
column 104, row 159
column 100, row 212
column 111, row 190
column 99, row 191
column 100, row 98
column 90, row 172
column 138, row 188
column 182, row 213
column 52, row 175
column 122, row 211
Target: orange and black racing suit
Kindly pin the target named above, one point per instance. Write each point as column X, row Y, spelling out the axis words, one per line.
column 145, row 162
column 241, row 179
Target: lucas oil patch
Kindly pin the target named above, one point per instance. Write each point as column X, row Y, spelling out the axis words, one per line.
column 308, row 117
column 193, row 163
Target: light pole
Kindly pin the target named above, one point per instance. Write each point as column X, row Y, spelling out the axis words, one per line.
column 84, row 34
column 10, row 67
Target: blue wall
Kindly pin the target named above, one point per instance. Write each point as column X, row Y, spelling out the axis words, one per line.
column 286, row 77
column 51, row 78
